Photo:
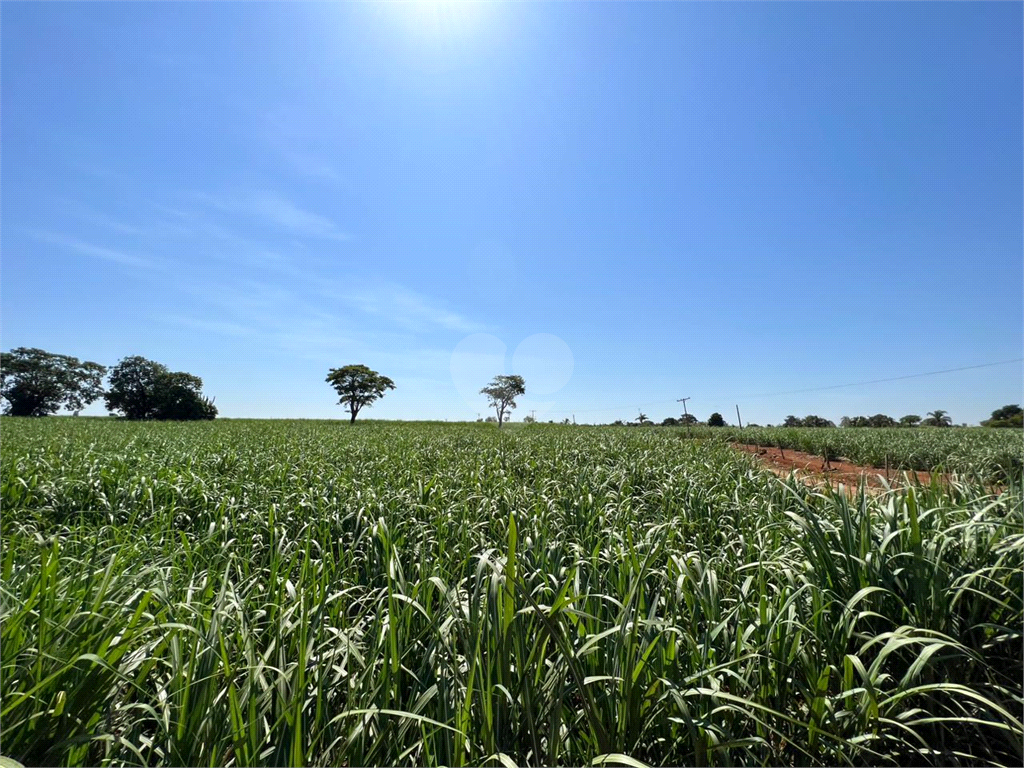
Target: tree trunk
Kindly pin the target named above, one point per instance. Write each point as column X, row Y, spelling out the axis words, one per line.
column 353, row 419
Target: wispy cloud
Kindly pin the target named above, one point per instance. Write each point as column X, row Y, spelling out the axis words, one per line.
column 405, row 308
column 276, row 210
column 98, row 251
column 149, row 229
column 311, row 167
column 213, row 239
column 213, row 326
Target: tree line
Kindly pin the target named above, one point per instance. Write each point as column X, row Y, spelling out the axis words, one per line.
column 35, row 382
column 1007, row 416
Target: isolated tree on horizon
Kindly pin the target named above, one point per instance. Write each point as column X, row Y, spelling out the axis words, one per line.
column 938, row 419
column 716, row 420
column 910, row 420
column 502, row 393
column 357, row 387
column 35, row 382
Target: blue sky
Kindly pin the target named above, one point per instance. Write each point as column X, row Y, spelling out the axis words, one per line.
column 626, row 202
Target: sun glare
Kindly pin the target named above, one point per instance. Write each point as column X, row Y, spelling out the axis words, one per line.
column 442, row 17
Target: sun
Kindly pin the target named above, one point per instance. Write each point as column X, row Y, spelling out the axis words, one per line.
column 443, row 17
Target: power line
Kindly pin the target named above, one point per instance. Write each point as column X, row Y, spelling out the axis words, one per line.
column 879, row 381
column 812, row 389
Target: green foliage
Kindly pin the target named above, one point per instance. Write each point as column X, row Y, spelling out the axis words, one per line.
column 38, row 383
column 816, row 421
column 142, row 389
column 910, row 420
column 938, row 418
column 1009, row 416
column 285, row 593
column 1007, row 412
column 357, row 387
column 502, row 393
column 983, row 454
column 1014, row 422
column 716, row 420
column 879, row 420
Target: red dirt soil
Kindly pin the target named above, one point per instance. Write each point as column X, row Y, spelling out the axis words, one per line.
column 814, row 472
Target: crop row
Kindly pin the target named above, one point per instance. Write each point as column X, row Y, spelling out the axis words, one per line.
column 987, row 454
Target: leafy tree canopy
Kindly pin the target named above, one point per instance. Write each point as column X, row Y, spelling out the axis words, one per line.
column 1007, row 412
column 816, row 421
column 37, row 383
column 938, row 419
column 145, row 389
column 716, row 420
column 1009, row 416
column 357, row 387
column 502, row 393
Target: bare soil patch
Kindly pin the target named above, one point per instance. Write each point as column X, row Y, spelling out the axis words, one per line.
column 815, row 471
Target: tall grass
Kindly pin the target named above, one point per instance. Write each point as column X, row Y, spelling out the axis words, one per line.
column 258, row 593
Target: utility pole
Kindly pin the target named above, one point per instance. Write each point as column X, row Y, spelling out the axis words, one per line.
column 533, row 415
column 686, row 414
column 738, row 419
column 574, row 419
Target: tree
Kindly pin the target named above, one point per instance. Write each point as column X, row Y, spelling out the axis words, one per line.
column 502, row 393
column 358, row 386
column 145, row 389
column 815, row 421
column 792, row 421
column 881, row 420
column 132, row 386
column 178, row 396
column 1007, row 416
column 688, row 419
column 528, row 420
column 938, row 419
column 642, row 419
column 1006, row 412
column 910, row 420
column 670, row 422
column 716, row 420
column 37, row 383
